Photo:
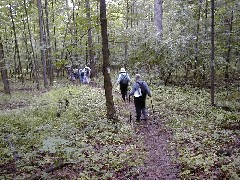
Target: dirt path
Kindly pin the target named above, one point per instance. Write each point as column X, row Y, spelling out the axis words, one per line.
column 159, row 163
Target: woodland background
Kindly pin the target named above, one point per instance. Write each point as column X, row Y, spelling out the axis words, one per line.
column 187, row 50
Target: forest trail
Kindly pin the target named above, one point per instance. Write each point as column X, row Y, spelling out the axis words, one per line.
column 158, row 165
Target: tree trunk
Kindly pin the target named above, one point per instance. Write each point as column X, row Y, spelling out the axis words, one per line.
column 126, row 42
column 49, row 48
column 212, row 53
column 42, row 44
column 25, row 39
column 90, row 41
column 158, row 16
column 197, row 39
column 65, row 34
column 106, row 63
column 74, row 54
column 54, row 27
column 229, row 49
column 35, row 68
column 19, row 67
column 3, row 70
column 204, row 76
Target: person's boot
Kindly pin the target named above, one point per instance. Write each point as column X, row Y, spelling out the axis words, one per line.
column 137, row 119
column 144, row 114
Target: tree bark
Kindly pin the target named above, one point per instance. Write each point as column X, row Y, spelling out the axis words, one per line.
column 3, row 70
column 126, row 29
column 19, row 67
column 35, row 68
column 54, row 27
column 49, row 48
column 74, row 54
column 158, row 16
column 212, row 53
column 229, row 49
column 206, row 32
column 90, row 40
column 42, row 44
column 197, row 39
column 106, row 63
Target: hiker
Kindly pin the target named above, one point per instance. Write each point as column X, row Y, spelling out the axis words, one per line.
column 75, row 74
column 71, row 74
column 123, row 80
column 87, row 73
column 140, row 90
column 81, row 75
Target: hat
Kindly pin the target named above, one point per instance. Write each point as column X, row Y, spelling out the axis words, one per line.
column 122, row 70
column 137, row 77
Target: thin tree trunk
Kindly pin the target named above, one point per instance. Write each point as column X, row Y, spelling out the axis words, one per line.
column 64, row 38
column 19, row 67
column 74, row 32
column 54, row 28
column 90, row 40
column 26, row 45
column 126, row 42
column 158, row 16
column 212, row 53
column 229, row 49
column 106, row 63
column 49, row 48
column 132, row 12
column 3, row 70
column 35, row 67
column 42, row 44
column 206, row 35
column 197, row 39
column 65, row 34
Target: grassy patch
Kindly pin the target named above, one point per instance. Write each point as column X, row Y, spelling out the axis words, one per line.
column 207, row 138
column 67, row 125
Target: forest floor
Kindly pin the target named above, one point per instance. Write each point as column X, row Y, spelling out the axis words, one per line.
column 159, row 163
column 181, row 128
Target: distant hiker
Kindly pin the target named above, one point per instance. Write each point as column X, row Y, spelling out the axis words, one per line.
column 87, row 73
column 123, row 80
column 81, row 75
column 71, row 74
column 140, row 90
column 75, row 73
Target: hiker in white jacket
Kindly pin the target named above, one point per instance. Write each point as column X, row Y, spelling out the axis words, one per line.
column 123, row 81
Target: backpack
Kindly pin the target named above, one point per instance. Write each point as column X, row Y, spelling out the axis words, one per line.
column 124, row 79
column 87, row 71
column 81, row 72
column 143, row 88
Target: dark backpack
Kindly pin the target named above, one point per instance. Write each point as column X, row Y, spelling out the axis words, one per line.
column 143, row 88
column 82, row 73
column 87, row 71
column 124, row 79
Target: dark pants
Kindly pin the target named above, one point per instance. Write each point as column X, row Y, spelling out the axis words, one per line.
column 123, row 89
column 140, row 106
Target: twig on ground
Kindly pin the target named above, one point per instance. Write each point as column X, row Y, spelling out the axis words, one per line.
column 50, row 169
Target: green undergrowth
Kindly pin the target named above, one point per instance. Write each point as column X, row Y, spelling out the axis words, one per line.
column 67, row 125
column 207, row 138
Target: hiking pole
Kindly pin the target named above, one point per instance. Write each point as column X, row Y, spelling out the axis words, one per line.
column 130, row 113
column 152, row 106
column 151, row 97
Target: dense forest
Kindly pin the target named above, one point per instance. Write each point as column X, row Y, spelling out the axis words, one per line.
column 53, row 128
